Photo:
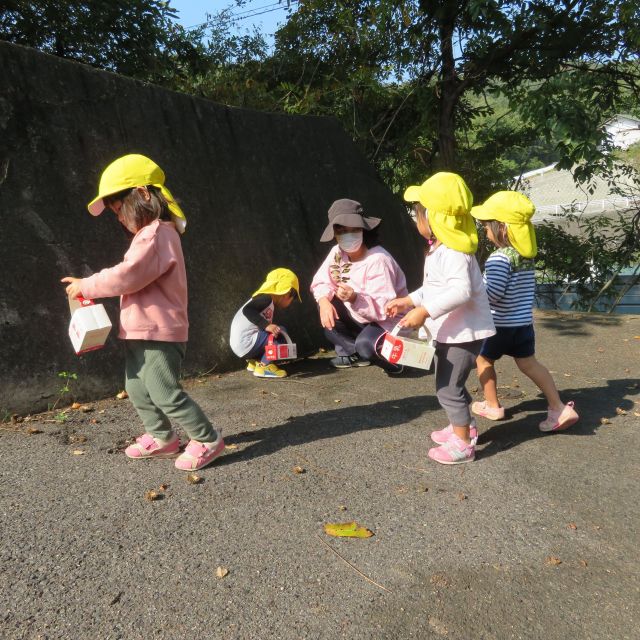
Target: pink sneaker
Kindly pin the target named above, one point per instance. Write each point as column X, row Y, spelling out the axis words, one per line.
column 146, row 446
column 199, row 454
column 484, row 410
column 560, row 420
column 442, row 435
column 453, row 451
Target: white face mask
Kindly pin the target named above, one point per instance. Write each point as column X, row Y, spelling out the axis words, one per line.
column 350, row 242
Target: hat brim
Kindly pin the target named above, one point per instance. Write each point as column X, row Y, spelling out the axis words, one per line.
column 483, row 213
column 412, row 194
column 96, row 206
column 349, row 220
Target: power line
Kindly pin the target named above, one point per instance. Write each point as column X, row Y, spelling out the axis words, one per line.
column 252, row 13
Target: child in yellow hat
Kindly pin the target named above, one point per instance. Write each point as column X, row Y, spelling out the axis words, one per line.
column 451, row 304
column 253, row 323
column 152, row 283
column 510, row 280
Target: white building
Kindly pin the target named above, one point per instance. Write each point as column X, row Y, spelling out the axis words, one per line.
column 623, row 130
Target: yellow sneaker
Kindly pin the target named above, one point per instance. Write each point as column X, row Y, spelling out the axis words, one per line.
column 268, row 371
column 251, row 365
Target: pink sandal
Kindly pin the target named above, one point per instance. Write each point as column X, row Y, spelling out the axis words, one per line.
column 199, row 454
column 146, row 446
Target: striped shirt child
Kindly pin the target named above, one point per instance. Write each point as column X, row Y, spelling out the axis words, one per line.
column 510, row 282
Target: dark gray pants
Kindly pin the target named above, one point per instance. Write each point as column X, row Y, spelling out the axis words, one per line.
column 454, row 363
column 350, row 336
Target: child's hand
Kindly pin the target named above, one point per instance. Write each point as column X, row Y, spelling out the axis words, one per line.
column 345, row 293
column 73, row 290
column 328, row 314
column 273, row 329
column 398, row 305
column 415, row 318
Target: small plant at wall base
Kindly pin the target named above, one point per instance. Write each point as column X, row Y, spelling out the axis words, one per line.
column 68, row 378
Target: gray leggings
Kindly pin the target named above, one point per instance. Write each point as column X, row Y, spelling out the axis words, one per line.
column 454, row 363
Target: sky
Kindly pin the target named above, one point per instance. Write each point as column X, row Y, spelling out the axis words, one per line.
column 263, row 14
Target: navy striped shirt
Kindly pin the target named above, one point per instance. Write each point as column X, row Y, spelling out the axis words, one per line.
column 510, row 281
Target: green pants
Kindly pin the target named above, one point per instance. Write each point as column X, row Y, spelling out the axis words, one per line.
column 152, row 374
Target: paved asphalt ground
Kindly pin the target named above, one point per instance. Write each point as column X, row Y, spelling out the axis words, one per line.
column 536, row 539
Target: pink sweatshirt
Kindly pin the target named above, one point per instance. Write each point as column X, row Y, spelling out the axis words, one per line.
column 376, row 279
column 152, row 283
column 454, row 295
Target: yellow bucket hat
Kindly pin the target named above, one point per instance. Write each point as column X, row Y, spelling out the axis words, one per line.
column 515, row 210
column 447, row 200
column 132, row 171
column 278, row 282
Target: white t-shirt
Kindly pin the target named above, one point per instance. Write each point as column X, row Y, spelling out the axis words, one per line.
column 244, row 333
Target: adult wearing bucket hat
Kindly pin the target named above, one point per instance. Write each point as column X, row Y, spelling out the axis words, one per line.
column 510, row 280
column 353, row 285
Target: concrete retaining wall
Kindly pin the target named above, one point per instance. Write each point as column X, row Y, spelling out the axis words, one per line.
column 255, row 188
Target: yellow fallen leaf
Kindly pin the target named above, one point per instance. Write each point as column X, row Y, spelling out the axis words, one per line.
column 553, row 561
column 221, row 572
column 151, row 495
column 76, row 405
column 231, row 447
column 122, row 395
column 299, row 469
column 194, row 478
column 78, row 452
column 337, row 401
column 347, row 530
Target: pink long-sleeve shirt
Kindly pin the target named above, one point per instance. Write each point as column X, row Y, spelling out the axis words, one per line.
column 152, row 283
column 455, row 296
column 376, row 279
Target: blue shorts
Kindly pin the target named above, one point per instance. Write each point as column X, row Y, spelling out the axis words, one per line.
column 517, row 342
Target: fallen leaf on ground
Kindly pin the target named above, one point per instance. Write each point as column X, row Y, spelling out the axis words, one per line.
column 151, row 495
column 85, row 408
column 342, row 507
column 583, row 563
column 572, row 525
column 122, row 395
column 78, row 452
column 567, row 375
column 437, row 626
column 462, row 496
column 552, row 561
column 635, row 413
column 164, row 486
column 337, row 401
column 221, row 572
column 299, row 469
column 76, row 405
column 347, row 530
column 620, row 411
column 600, row 349
column 231, row 447
column 32, row 431
column 194, row 478
column 77, row 438
column 605, row 421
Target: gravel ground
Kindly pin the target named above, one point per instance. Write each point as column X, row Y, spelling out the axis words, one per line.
column 536, row 539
